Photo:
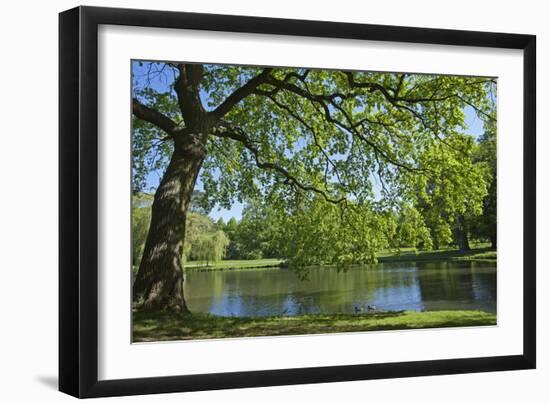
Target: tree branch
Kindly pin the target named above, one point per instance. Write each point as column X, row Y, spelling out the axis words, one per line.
column 232, row 133
column 241, row 93
column 477, row 109
column 187, row 90
column 311, row 130
column 153, row 116
column 323, row 101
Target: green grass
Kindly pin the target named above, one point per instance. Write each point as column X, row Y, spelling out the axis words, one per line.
column 164, row 326
column 234, row 264
column 480, row 253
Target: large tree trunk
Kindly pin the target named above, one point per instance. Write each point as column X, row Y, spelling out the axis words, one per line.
column 461, row 233
column 159, row 281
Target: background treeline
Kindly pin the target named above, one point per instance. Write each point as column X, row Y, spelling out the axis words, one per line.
column 252, row 237
column 445, row 208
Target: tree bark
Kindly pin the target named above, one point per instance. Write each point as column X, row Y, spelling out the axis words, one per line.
column 159, row 281
column 461, row 233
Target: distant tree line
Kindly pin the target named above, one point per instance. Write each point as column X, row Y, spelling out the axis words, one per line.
column 252, row 237
column 307, row 231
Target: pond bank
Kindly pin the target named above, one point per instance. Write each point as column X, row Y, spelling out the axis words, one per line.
column 164, row 326
column 226, row 265
column 477, row 254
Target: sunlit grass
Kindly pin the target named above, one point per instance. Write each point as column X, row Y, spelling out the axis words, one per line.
column 234, row 264
column 479, row 252
column 164, row 326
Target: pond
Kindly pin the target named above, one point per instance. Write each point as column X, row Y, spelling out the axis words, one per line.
column 423, row 286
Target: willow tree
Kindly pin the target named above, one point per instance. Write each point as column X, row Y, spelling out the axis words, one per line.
column 253, row 131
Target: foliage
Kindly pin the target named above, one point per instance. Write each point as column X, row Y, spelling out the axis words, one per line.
column 324, row 234
column 141, row 216
column 484, row 226
column 151, row 149
column 256, row 235
column 411, row 230
column 209, row 247
column 197, row 229
column 456, row 187
column 304, row 149
column 308, row 231
column 203, row 241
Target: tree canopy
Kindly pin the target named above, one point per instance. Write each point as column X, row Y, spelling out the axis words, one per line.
column 343, row 163
column 326, row 138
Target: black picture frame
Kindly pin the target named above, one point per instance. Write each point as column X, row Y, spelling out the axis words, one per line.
column 78, row 201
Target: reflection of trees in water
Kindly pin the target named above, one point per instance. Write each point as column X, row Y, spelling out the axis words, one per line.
column 484, row 286
column 443, row 284
column 389, row 287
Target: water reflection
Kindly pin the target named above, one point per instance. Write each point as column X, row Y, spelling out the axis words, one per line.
column 395, row 286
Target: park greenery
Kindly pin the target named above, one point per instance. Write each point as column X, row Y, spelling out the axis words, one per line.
column 257, row 241
column 166, row 326
column 333, row 167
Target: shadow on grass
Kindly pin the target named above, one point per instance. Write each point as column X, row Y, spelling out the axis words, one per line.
column 163, row 326
column 485, row 254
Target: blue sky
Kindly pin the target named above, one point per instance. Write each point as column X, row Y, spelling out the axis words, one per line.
column 161, row 83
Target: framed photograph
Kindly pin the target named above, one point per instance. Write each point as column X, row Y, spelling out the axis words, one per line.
column 251, row 201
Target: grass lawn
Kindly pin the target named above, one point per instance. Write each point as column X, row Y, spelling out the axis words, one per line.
column 164, row 326
column 233, row 264
column 480, row 253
